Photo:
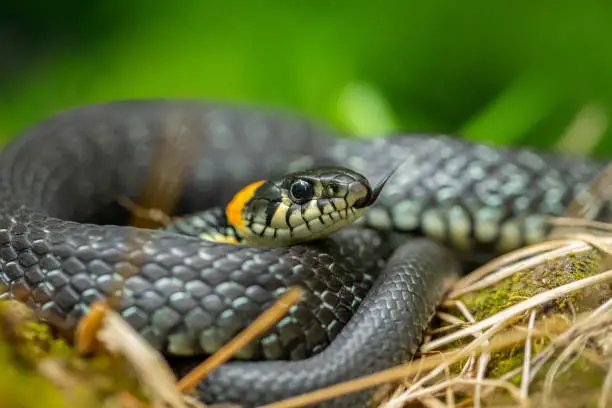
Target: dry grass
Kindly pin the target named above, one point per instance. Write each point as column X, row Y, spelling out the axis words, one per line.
column 571, row 344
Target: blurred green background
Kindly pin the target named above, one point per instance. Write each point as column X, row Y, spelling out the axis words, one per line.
column 508, row 72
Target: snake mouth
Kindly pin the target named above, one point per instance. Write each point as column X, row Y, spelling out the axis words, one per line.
column 373, row 195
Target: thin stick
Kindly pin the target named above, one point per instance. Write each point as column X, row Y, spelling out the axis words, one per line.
column 604, row 397
column 362, row 383
column 467, row 368
column 554, row 368
column 540, row 356
column 575, row 247
column 470, row 318
column 483, row 361
column 450, row 394
column 520, row 308
column 582, row 324
column 508, row 258
column 427, row 402
column 512, row 390
column 447, row 328
column 465, row 311
column 449, row 318
column 484, row 358
column 431, row 402
column 597, row 242
column 580, row 222
column 436, row 361
column 527, row 358
column 469, row 349
column 266, row 320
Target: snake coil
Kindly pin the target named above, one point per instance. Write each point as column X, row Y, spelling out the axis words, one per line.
column 370, row 290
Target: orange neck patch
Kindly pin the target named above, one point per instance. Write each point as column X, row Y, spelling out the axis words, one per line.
column 233, row 211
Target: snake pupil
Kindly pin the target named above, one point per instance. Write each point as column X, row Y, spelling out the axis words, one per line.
column 301, row 190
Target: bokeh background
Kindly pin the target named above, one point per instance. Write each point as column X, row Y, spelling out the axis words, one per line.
column 508, row 72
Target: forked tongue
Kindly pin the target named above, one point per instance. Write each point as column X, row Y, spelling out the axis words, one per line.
column 379, row 187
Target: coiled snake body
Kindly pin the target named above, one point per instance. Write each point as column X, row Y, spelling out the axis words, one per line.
column 370, row 290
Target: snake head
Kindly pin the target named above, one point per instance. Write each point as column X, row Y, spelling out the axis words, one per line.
column 301, row 206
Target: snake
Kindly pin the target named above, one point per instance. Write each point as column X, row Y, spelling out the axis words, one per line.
column 372, row 277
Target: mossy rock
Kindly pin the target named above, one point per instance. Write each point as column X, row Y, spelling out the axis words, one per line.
column 579, row 385
column 41, row 369
column 528, row 283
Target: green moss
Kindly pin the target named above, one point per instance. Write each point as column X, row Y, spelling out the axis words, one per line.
column 580, row 384
column 525, row 284
column 21, row 383
column 505, row 361
column 27, row 345
column 22, row 388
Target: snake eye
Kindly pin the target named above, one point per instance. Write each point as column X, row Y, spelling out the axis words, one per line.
column 301, row 190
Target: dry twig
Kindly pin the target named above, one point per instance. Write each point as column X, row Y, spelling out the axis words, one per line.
column 266, row 320
column 527, row 358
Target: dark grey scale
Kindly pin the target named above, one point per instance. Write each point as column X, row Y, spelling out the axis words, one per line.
column 202, row 222
column 470, row 195
column 446, row 221
column 34, row 275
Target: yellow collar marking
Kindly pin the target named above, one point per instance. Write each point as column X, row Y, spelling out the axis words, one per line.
column 220, row 238
column 233, row 211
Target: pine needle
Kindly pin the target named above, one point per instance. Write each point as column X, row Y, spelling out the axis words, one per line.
column 266, row 320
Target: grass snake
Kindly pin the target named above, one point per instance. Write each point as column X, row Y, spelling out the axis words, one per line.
column 371, row 287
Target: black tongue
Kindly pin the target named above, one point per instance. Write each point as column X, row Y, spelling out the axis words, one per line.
column 379, row 187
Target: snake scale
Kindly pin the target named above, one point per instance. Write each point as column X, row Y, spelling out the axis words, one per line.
column 370, row 288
